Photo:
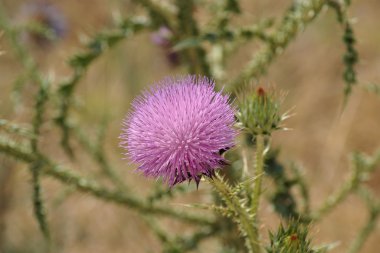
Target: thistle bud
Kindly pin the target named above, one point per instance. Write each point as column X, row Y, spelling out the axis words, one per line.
column 259, row 112
column 292, row 238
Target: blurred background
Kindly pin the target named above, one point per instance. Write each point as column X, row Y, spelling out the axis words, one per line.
column 310, row 71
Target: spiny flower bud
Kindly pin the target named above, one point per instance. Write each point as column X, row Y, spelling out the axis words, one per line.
column 260, row 112
column 290, row 239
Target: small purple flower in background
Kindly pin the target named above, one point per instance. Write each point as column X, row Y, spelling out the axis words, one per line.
column 163, row 37
column 178, row 129
column 44, row 22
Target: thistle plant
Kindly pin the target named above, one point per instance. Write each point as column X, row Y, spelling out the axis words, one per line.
column 203, row 123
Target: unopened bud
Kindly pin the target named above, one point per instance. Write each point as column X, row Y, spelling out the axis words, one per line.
column 260, row 111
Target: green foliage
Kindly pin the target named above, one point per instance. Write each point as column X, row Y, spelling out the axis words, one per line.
column 205, row 49
column 374, row 88
column 39, row 209
column 238, row 210
column 228, row 35
column 161, row 192
column 81, row 61
column 350, row 58
column 296, row 18
column 283, row 200
column 10, row 127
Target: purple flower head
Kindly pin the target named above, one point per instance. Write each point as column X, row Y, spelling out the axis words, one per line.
column 47, row 16
column 178, row 130
column 163, row 37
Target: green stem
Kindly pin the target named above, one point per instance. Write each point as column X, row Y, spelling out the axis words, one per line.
column 373, row 205
column 90, row 186
column 97, row 153
column 258, row 173
column 70, row 177
column 299, row 15
column 242, row 215
column 341, row 194
column 39, row 210
column 41, row 98
column 158, row 12
column 19, row 129
column 79, row 64
column 365, row 232
column 259, row 170
column 180, row 243
column 303, row 187
column 21, row 52
column 188, row 26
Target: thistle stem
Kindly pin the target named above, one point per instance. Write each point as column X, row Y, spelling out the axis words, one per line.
column 259, row 167
column 258, row 173
column 92, row 187
column 373, row 205
column 340, row 195
column 365, row 231
column 242, row 216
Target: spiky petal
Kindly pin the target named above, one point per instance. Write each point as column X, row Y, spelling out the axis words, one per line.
column 177, row 129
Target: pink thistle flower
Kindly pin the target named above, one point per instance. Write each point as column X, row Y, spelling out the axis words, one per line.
column 179, row 129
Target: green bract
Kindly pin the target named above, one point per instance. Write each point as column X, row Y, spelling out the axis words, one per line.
column 290, row 239
column 259, row 112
